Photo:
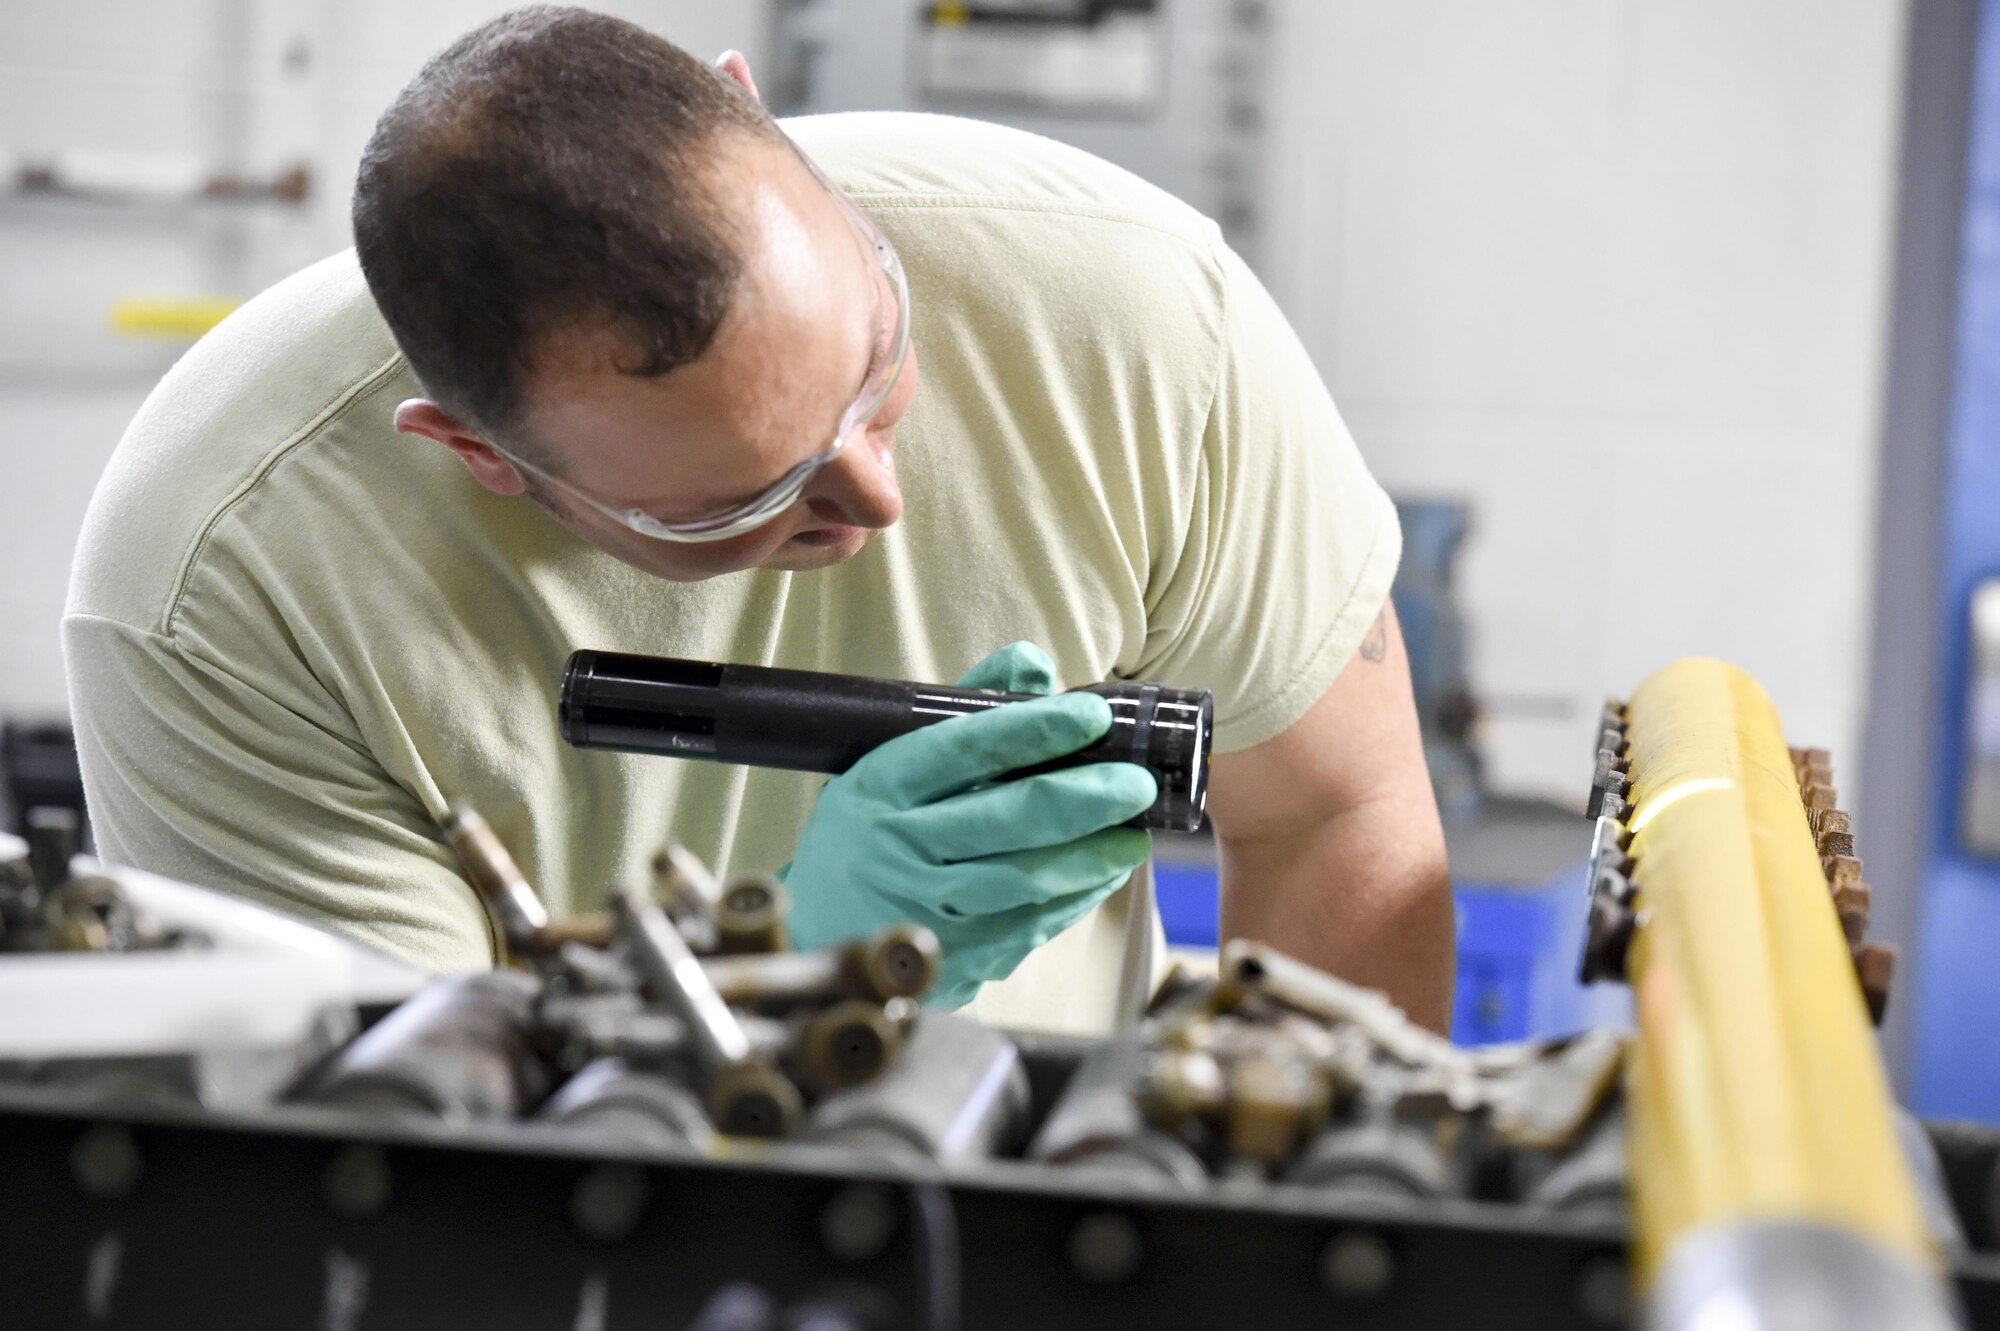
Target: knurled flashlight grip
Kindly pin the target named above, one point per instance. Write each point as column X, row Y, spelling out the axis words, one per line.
column 811, row 722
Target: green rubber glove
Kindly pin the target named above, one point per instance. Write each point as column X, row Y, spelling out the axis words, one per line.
column 920, row 832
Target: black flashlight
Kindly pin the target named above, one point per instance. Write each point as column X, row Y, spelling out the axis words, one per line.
column 812, row 722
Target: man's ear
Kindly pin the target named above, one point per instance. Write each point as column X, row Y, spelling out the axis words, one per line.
column 425, row 417
column 736, row 67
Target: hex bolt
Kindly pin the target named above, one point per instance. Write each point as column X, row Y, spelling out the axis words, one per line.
column 1875, row 966
column 1607, row 939
column 1604, row 1292
column 105, row 1161
column 1105, row 1248
column 1358, row 1265
column 357, row 1180
column 1608, row 786
column 858, row 1223
column 608, row 1201
column 1850, row 903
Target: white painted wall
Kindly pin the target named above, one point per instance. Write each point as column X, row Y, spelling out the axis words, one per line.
column 249, row 85
column 1615, row 271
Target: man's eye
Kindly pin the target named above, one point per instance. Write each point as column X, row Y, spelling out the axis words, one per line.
column 878, row 357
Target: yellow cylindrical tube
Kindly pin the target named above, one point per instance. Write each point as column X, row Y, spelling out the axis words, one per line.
column 1756, row 1091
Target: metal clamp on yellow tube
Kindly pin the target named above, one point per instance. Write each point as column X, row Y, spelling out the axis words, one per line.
column 1768, row 1186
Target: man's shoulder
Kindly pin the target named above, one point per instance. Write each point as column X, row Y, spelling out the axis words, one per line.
column 949, row 164
column 1012, row 238
column 264, row 381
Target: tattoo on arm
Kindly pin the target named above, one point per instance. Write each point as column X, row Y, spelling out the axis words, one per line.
column 1375, row 647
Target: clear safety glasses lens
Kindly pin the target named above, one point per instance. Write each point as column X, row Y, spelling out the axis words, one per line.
column 786, row 491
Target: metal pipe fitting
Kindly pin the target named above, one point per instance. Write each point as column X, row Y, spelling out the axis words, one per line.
column 516, row 909
column 459, row 1050
column 1097, row 1123
column 851, row 1041
column 1376, row 1157
column 670, row 975
column 750, row 917
column 1783, row 1275
column 957, row 1092
column 899, row 962
column 610, row 1100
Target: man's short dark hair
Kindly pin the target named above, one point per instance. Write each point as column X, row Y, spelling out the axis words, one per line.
column 548, row 170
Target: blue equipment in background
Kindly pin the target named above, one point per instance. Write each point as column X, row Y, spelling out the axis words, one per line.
column 1518, row 867
column 1434, row 636
column 1955, row 1063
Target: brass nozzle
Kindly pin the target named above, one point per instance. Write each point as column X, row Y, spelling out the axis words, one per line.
column 899, row 962
column 752, row 1099
column 511, row 902
column 847, row 1044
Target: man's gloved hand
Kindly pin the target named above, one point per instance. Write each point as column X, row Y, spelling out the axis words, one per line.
column 919, row 831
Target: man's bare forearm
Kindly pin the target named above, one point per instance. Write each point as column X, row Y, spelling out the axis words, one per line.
column 1364, row 893
column 1330, row 842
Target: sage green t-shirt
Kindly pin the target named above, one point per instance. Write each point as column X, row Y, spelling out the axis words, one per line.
column 293, row 635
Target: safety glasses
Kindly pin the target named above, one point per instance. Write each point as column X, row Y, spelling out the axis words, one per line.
column 784, row 492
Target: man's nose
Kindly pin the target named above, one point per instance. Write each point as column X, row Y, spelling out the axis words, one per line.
column 858, row 488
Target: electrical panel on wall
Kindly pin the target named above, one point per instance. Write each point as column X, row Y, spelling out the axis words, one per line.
column 1058, row 56
column 1168, row 89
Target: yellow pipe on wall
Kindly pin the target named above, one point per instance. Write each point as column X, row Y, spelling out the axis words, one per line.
column 1755, row 1091
column 178, row 318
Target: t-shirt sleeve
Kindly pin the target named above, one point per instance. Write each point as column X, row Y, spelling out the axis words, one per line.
column 192, row 772
column 1290, row 545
